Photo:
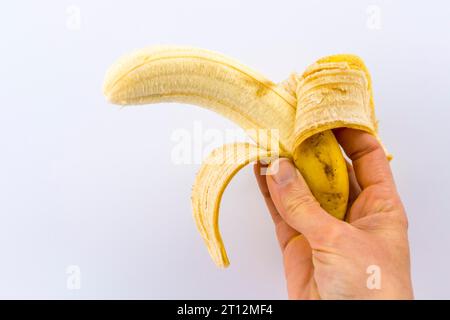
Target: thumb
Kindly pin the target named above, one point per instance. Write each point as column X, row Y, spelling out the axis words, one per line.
column 295, row 202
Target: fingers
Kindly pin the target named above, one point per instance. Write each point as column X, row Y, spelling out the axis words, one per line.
column 262, row 184
column 354, row 191
column 284, row 231
column 295, row 202
column 299, row 269
column 354, row 188
column 368, row 157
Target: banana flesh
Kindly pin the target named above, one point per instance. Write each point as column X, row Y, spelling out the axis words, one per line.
column 214, row 175
column 334, row 92
column 204, row 78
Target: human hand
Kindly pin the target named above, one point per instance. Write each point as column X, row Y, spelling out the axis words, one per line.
column 325, row 258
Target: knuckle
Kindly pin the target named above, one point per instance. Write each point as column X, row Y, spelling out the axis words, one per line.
column 298, row 203
column 404, row 220
column 397, row 219
column 371, row 146
column 383, row 199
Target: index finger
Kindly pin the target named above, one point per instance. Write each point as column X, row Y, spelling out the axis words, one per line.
column 368, row 157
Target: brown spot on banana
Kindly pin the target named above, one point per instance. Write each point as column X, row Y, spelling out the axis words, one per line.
column 320, row 161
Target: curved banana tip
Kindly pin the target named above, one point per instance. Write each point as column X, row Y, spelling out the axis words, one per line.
column 220, row 258
column 222, row 264
column 108, row 97
column 108, row 91
column 113, row 84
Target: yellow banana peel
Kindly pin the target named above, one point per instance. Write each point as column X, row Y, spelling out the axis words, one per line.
column 334, row 92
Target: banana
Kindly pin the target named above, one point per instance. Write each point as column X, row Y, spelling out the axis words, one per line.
column 320, row 161
column 334, row 92
column 204, row 78
column 214, row 175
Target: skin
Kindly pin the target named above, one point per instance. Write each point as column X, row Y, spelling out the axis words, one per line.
column 325, row 258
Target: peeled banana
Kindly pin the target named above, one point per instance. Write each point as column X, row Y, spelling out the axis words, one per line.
column 334, row 92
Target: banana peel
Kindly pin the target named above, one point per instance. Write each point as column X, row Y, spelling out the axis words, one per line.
column 334, row 92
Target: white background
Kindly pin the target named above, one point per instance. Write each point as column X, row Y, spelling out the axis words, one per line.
column 86, row 183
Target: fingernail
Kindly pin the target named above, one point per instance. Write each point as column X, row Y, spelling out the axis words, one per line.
column 283, row 171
